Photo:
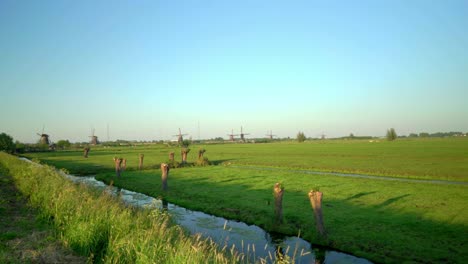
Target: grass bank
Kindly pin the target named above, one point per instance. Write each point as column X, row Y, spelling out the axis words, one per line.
column 103, row 229
column 434, row 158
column 390, row 222
column 24, row 236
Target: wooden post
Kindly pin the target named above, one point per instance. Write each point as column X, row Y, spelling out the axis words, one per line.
column 315, row 198
column 165, row 205
column 124, row 164
column 184, row 153
column 117, row 162
column 171, row 156
column 85, row 152
column 140, row 163
column 164, row 175
column 278, row 191
column 200, row 153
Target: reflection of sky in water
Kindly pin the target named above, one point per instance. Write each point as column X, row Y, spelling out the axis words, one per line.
column 248, row 239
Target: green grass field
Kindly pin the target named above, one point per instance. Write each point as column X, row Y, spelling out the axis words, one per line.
column 444, row 159
column 385, row 221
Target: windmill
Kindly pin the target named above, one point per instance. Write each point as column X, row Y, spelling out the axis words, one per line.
column 322, row 136
column 242, row 135
column 270, row 136
column 231, row 136
column 44, row 137
column 180, row 139
column 94, row 139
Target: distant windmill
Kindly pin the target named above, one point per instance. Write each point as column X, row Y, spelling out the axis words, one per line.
column 231, row 136
column 44, row 137
column 270, row 136
column 242, row 135
column 322, row 136
column 94, row 139
column 180, row 139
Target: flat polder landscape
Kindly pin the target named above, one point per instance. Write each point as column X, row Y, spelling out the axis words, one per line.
column 383, row 218
column 227, row 132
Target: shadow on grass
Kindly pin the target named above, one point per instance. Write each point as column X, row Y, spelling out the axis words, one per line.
column 220, row 162
column 377, row 232
column 359, row 195
column 391, row 200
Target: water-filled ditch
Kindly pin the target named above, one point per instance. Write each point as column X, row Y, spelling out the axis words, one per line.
column 248, row 239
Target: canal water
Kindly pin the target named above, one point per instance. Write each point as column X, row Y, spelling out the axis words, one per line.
column 251, row 240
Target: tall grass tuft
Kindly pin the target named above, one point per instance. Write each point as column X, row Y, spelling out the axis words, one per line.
column 100, row 226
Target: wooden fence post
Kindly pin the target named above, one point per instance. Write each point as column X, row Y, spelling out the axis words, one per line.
column 85, row 152
column 117, row 162
column 184, row 153
column 200, row 153
column 315, row 198
column 278, row 191
column 164, row 175
column 140, row 163
column 124, row 165
column 171, row 156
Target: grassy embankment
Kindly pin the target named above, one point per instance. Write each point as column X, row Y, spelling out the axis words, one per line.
column 442, row 159
column 102, row 228
column 24, row 236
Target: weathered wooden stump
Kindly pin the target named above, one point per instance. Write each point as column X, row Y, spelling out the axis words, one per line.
column 140, row 163
column 164, row 175
column 315, row 198
column 278, row 191
column 184, row 153
column 124, row 164
column 86, row 152
column 200, row 153
column 171, row 156
column 117, row 162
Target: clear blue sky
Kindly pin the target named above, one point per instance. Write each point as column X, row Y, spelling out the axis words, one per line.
column 147, row 68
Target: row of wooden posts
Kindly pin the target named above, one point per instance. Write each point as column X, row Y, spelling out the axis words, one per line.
column 121, row 163
column 315, row 197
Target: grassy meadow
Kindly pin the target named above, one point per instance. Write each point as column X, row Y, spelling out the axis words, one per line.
column 432, row 158
column 384, row 221
column 380, row 220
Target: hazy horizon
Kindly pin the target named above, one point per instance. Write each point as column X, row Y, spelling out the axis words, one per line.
column 148, row 68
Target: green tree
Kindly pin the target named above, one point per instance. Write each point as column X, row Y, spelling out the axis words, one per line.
column 6, row 143
column 19, row 147
column 301, row 137
column 423, row 134
column 186, row 143
column 63, row 144
column 391, row 134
